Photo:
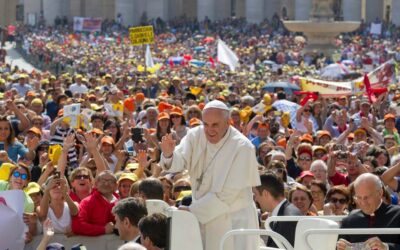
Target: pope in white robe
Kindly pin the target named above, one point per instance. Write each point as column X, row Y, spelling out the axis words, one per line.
column 223, row 168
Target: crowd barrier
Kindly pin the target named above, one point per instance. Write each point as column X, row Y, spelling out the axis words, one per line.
column 104, row 242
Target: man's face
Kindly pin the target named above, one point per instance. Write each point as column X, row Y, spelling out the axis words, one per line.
column 106, row 184
column 97, row 123
column 122, row 227
column 365, row 108
column 368, row 197
column 262, row 199
column 215, row 125
column 151, row 114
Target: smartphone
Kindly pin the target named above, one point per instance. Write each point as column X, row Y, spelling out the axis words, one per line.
column 137, row 135
column 57, row 174
column 1, row 146
column 339, row 147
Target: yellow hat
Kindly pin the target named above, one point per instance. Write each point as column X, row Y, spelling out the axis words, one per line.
column 183, row 194
column 32, row 188
column 2, row 81
column 37, row 101
column 5, row 170
column 128, row 176
column 132, row 166
column 44, row 82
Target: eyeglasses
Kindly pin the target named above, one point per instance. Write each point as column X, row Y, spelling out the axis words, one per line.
column 43, row 149
column 306, row 110
column 182, row 188
column 314, row 193
column 17, row 174
column 364, row 198
column 319, row 155
column 38, row 123
column 174, row 116
column 111, row 181
column 192, row 112
column 336, row 200
column 82, row 177
column 304, row 159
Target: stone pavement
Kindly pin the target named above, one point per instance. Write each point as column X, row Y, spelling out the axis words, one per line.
column 15, row 59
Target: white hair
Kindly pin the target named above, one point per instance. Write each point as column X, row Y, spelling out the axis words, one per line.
column 368, row 177
column 131, row 246
column 316, row 163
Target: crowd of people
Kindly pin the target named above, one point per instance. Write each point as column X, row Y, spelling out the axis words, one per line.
column 337, row 155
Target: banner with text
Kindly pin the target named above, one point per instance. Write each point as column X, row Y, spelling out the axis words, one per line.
column 87, row 24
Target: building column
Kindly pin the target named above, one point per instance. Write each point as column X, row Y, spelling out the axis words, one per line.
column 395, row 13
column 157, row 8
column 222, row 9
column 351, row 10
column 302, row 9
column 54, row 8
column 206, row 8
column 374, row 9
column 255, row 11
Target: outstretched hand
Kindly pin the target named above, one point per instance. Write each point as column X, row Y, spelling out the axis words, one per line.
column 167, row 145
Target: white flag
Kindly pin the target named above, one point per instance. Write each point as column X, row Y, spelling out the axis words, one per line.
column 227, row 56
column 149, row 59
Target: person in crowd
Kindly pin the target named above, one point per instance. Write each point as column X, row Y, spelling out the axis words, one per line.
column 57, row 205
column 318, row 191
column 373, row 213
column 95, row 217
column 178, row 122
column 153, row 231
column 338, row 198
column 301, row 197
column 270, row 196
column 151, row 188
column 128, row 212
column 125, row 182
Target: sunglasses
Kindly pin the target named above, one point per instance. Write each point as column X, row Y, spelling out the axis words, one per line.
column 306, row 110
column 304, row 159
column 182, row 188
column 17, row 174
column 279, row 170
column 82, row 177
column 341, row 201
column 174, row 116
column 43, row 149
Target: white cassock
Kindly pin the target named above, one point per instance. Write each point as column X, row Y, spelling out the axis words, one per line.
column 224, row 200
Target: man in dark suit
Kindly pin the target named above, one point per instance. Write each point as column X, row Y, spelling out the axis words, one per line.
column 373, row 213
column 270, row 195
column 128, row 213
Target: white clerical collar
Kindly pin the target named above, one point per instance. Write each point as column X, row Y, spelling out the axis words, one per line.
column 276, row 209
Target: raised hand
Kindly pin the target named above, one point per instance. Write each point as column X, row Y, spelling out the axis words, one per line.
column 32, row 143
column 167, row 145
column 69, row 141
column 91, row 142
column 142, row 159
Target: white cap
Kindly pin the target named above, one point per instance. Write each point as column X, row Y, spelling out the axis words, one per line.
column 216, row 105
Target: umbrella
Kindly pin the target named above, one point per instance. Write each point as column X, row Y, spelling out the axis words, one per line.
column 269, row 62
column 293, row 63
column 335, row 70
column 287, row 87
column 291, row 107
column 209, row 39
column 175, row 60
column 196, row 63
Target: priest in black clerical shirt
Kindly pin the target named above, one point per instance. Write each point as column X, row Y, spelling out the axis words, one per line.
column 372, row 213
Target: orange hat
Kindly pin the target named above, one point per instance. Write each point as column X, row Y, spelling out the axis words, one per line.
column 201, row 105
column 281, row 142
column 151, row 131
column 263, row 125
column 307, row 138
column 129, row 104
column 91, row 96
column 162, row 106
column 35, row 131
column 350, row 136
column 97, row 131
column 321, row 133
column 360, row 130
column 221, row 98
column 108, row 140
column 164, row 94
column 389, row 116
column 30, row 94
column 176, row 111
column 194, row 122
column 163, row 115
column 60, row 113
column 139, row 96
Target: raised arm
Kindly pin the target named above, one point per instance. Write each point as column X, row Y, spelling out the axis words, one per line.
column 389, row 176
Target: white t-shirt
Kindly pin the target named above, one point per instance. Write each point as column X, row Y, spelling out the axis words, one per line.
column 62, row 224
column 75, row 88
